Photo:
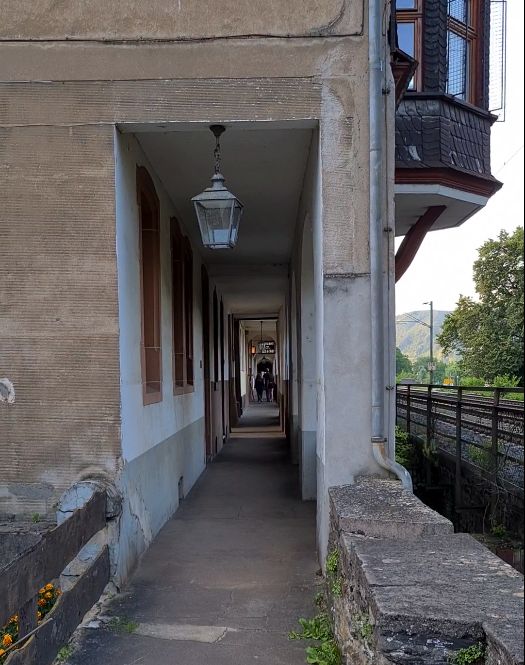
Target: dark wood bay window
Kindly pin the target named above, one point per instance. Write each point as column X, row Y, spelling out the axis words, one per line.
column 149, row 224
column 463, row 44
column 409, row 19
column 182, row 289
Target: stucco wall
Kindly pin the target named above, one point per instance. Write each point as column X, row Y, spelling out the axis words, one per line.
column 143, row 427
column 182, row 19
column 58, row 312
column 79, row 90
column 162, row 443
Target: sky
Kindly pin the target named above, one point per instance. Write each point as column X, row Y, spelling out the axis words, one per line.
column 442, row 268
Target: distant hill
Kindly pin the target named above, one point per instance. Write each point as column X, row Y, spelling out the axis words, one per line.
column 413, row 339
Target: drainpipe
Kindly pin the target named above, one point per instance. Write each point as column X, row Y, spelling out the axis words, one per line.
column 377, row 285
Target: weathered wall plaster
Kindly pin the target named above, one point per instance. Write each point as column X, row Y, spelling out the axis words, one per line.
column 163, row 442
column 59, row 342
column 184, row 19
column 68, row 97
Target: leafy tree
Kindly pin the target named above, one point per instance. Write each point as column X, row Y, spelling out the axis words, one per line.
column 403, row 364
column 487, row 334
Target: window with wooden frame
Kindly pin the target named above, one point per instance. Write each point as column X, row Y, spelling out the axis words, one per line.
column 463, row 55
column 149, row 240
column 182, row 290
column 409, row 20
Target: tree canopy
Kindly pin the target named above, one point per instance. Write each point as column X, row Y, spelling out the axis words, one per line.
column 487, row 333
column 403, row 364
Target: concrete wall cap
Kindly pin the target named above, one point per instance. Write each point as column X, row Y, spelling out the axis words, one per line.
column 382, row 508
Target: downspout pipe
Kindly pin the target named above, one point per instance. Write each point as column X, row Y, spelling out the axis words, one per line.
column 377, row 285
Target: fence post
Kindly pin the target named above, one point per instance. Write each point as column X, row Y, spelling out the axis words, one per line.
column 429, row 436
column 494, row 441
column 458, row 498
column 429, row 414
column 408, row 409
column 494, row 456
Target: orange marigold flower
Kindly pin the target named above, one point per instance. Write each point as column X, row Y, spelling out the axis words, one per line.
column 39, row 615
column 7, row 640
column 2, row 652
column 41, row 602
column 49, row 587
column 42, row 591
column 48, row 595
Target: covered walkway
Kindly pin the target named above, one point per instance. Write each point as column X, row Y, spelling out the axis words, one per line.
column 226, row 578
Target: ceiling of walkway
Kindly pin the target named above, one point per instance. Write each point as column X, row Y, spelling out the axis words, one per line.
column 264, row 168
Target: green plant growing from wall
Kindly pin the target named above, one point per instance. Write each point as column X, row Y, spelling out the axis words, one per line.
column 332, row 562
column 333, row 576
column 318, row 629
column 472, row 655
column 64, row 653
column 363, row 626
column 327, row 653
column 336, row 587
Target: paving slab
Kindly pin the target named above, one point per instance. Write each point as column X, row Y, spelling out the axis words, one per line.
column 227, row 577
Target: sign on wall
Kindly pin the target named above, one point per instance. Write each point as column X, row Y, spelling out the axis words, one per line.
column 266, row 347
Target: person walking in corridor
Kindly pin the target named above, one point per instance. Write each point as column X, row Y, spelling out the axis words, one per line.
column 270, row 387
column 259, row 386
column 265, row 382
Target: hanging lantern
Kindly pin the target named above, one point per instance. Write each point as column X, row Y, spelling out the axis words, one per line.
column 218, row 210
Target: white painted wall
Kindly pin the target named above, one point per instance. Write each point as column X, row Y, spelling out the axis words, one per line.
column 308, row 380
column 144, row 427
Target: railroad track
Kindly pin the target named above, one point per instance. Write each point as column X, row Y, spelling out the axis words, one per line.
column 491, row 428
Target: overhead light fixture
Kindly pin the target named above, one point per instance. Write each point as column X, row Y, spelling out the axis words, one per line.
column 218, row 210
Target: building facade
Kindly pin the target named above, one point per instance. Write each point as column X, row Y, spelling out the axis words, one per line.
column 128, row 343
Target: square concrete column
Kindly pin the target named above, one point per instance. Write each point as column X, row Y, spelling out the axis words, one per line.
column 343, row 306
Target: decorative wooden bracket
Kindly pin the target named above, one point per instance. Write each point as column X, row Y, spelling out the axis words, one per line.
column 413, row 239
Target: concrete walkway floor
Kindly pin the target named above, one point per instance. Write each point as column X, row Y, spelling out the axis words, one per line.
column 259, row 416
column 226, row 579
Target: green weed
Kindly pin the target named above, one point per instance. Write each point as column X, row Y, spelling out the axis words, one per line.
column 472, row 655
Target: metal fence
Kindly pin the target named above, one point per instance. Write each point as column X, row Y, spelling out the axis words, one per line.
column 482, row 427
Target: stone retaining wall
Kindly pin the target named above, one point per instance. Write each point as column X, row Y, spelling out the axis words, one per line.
column 407, row 590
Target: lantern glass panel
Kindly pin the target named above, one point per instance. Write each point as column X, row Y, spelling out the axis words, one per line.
column 214, row 221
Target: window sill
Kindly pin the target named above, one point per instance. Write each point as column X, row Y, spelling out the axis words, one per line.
column 151, row 398
column 183, row 390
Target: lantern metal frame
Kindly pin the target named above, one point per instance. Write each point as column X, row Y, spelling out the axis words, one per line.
column 218, row 210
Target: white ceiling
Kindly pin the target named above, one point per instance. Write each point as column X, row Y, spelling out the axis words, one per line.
column 264, row 168
column 252, row 290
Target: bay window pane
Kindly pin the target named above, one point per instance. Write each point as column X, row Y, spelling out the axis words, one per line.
column 459, row 9
column 406, row 37
column 405, row 4
column 457, row 59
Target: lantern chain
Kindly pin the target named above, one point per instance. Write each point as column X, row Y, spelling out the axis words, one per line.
column 217, row 155
column 217, row 130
